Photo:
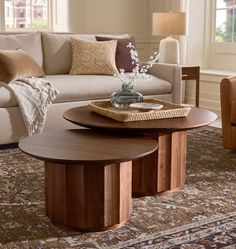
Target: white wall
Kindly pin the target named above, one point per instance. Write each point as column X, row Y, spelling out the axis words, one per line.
column 223, row 57
column 133, row 17
column 124, row 16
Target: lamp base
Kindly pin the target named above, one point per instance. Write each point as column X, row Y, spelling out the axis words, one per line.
column 169, row 51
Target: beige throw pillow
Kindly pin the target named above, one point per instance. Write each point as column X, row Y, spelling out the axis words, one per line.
column 92, row 57
column 16, row 64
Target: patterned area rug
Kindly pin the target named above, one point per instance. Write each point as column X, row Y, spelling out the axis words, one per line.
column 200, row 215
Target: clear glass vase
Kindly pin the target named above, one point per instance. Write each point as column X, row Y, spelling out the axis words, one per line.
column 122, row 99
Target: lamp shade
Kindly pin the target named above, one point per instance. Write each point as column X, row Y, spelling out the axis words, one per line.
column 169, row 23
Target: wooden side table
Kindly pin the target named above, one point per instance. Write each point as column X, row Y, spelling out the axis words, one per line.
column 192, row 73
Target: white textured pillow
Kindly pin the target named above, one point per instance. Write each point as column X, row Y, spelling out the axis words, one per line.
column 92, row 57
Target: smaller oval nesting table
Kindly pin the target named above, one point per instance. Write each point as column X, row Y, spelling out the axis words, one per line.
column 88, row 176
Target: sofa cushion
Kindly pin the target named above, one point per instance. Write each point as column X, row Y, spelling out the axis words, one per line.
column 57, row 51
column 92, row 57
column 123, row 57
column 85, row 87
column 30, row 43
column 16, row 64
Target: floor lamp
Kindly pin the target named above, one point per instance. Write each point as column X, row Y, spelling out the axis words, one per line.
column 168, row 24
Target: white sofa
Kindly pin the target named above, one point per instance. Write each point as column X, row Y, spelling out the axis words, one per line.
column 53, row 53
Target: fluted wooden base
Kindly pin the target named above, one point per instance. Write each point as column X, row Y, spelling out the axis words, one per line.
column 163, row 170
column 88, row 198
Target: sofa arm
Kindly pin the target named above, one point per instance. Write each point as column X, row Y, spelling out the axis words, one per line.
column 171, row 73
column 228, row 97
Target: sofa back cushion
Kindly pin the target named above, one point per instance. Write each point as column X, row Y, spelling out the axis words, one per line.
column 30, row 43
column 57, row 50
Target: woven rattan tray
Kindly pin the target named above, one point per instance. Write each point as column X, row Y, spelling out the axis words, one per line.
column 169, row 110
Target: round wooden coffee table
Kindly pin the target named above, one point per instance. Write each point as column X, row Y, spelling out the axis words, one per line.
column 163, row 170
column 88, row 176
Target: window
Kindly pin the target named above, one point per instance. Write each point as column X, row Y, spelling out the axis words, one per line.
column 225, row 21
column 26, row 14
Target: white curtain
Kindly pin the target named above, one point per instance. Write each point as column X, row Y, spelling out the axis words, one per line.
column 184, row 6
column 60, row 15
column 2, row 16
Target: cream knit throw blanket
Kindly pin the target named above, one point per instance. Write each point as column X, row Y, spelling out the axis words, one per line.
column 33, row 96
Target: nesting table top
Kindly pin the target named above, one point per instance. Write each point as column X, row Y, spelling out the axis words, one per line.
column 83, row 116
column 84, row 146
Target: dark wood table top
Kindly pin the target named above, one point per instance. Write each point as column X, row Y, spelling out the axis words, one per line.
column 83, row 116
column 84, row 146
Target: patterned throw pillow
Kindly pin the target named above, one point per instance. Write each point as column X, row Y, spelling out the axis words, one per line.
column 92, row 57
column 16, row 64
column 123, row 58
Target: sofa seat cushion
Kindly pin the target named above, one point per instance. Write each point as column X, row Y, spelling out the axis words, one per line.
column 85, row 87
